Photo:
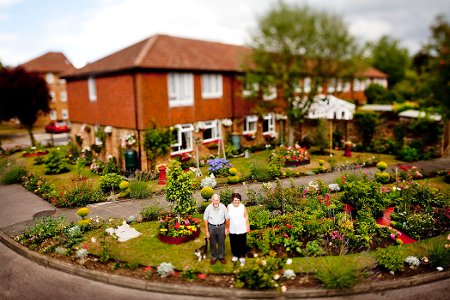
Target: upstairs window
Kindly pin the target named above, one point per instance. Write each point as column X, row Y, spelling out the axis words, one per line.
column 182, row 136
column 211, row 131
column 180, row 89
column 356, row 85
column 53, row 96
column 212, row 86
column 269, row 124
column 250, row 89
column 250, row 124
column 331, row 83
column 50, row 78
column 92, row 89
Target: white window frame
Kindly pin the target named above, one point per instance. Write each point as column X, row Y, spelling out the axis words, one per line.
column 62, row 81
column 53, row 115
column 270, row 118
column 356, row 85
column 180, row 89
column 347, row 86
column 271, row 95
column 250, row 124
column 53, row 95
column 331, row 85
column 92, row 89
column 187, row 130
column 212, row 86
column 63, row 96
column 65, row 114
column 250, row 89
column 214, row 126
column 50, row 78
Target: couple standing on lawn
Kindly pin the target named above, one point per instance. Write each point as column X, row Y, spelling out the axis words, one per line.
column 221, row 221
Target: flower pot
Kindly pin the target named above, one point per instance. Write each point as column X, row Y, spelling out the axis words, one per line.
column 179, row 239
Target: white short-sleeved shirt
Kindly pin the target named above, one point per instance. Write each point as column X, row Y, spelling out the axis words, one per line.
column 238, row 224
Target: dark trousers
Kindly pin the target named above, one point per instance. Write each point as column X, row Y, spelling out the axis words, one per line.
column 238, row 243
column 217, row 241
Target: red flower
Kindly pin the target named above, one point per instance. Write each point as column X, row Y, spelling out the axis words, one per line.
column 286, row 235
column 177, row 225
column 289, row 226
column 201, row 276
column 85, row 246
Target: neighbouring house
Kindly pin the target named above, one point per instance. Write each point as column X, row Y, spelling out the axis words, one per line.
column 50, row 66
column 192, row 86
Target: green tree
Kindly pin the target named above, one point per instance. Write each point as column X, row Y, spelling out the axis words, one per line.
column 366, row 122
column 389, row 57
column 179, row 189
column 24, row 96
column 292, row 43
column 376, row 93
column 438, row 79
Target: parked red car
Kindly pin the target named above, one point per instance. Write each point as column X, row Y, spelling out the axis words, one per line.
column 57, row 127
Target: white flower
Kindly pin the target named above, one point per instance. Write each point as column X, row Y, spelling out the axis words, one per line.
column 289, row 261
column 264, row 263
column 334, row 187
column 276, row 277
column 440, row 269
column 93, row 240
column 227, row 122
column 412, row 261
column 289, row 274
column 82, row 253
column 283, row 289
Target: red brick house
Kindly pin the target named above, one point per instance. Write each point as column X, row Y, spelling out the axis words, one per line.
column 50, row 66
column 190, row 85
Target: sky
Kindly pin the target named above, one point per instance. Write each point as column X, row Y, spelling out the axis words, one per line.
column 87, row 30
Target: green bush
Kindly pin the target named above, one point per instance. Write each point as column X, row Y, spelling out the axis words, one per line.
column 80, row 195
column 13, row 174
column 390, row 259
column 383, row 177
column 179, row 189
column 234, row 179
column 408, row 154
column 259, row 173
column 258, row 273
column 56, row 163
column 139, row 189
column 233, row 171
column 110, row 182
column 43, row 229
column 439, row 255
column 225, row 195
column 83, row 212
column 203, row 206
column 152, row 212
column 313, row 248
column 207, row 192
column 382, row 166
column 258, row 217
column 334, row 275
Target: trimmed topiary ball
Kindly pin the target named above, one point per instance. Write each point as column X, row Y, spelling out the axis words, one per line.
column 321, row 162
column 84, row 222
column 83, row 212
column 207, row 192
column 382, row 166
column 383, row 177
column 124, row 185
column 234, row 179
column 233, row 171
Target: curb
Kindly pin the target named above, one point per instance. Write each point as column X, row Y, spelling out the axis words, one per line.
column 203, row 291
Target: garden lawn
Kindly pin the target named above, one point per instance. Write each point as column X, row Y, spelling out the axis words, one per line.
column 148, row 250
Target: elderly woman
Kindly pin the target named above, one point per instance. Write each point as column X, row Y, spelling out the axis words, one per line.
column 239, row 226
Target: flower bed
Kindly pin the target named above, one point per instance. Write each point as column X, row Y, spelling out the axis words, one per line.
column 292, row 156
column 37, row 153
column 172, row 231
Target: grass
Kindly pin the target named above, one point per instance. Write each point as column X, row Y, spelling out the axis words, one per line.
column 148, row 250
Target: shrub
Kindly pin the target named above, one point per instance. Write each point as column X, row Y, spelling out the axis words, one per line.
column 336, row 276
column 56, row 163
column 259, row 273
column 80, row 195
column 233, row 171
column 124, row 185
column 179, row 189
column 83, row 212
column 381, row 166
column 139, row 189
column 207, row 192
column 152, row 212
column 383, row 177
column 234, row 179
column 390, row 259
column 84, row 223
column 439, row 255
column 43, row 229
column 110, row 182
column 13, row 175
column 219, row 166
column 259, row 173
column 313, row 248
column 408, row 154
column 165, row 269
column 225, row 195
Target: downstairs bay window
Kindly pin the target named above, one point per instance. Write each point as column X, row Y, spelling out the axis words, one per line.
column 182, row 135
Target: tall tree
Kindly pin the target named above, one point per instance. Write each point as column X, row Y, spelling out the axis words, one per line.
column 24, row 96
column 389, row 57
column 292, row 43
column 439, row 69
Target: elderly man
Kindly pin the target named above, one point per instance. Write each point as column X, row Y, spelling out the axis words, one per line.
column 217, row 224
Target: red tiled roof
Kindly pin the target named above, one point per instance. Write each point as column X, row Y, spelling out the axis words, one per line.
column 372, row 73
column 54, row 62
column 168, row 52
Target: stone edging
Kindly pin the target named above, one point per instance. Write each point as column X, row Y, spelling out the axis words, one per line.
column 146, row 285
